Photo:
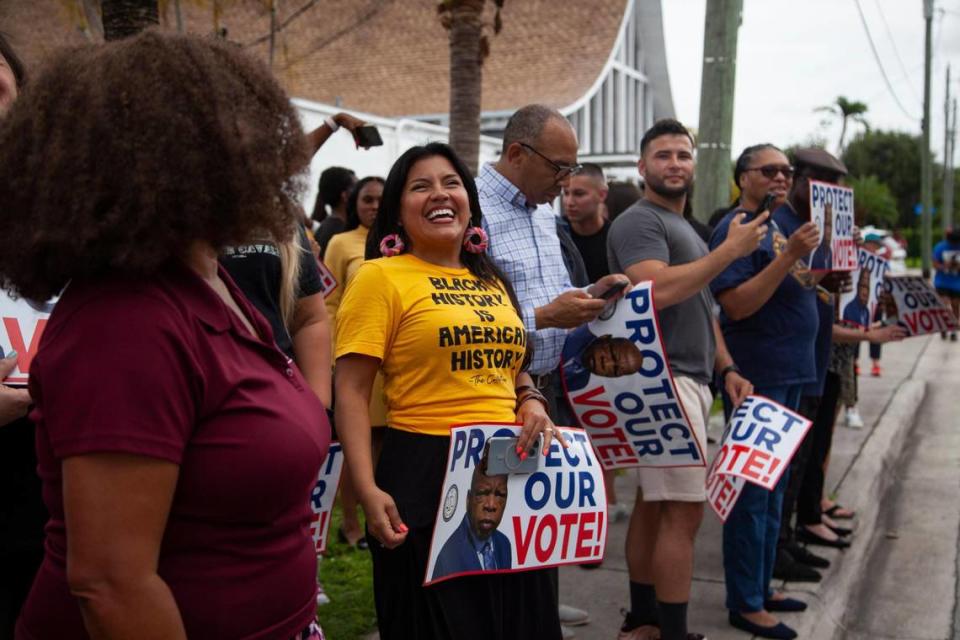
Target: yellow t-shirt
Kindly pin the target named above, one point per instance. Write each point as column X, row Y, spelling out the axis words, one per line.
column 450, row 345
column 343, row 257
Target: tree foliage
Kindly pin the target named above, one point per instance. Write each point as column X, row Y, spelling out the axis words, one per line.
column 873, row 202
column 893, row 158
column 847, row 111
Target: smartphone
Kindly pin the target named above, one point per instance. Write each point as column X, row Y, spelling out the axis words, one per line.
column 765, row 204
column 367, row 136
column 613, row 291
column 502, row 458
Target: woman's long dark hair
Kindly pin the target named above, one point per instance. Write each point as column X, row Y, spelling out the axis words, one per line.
column 388, row 218
column 353, row 217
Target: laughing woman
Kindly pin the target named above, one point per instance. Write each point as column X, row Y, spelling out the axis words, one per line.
column 429, row 223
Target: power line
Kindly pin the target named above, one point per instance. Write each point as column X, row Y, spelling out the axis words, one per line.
column 876, row 57
column 896, row 51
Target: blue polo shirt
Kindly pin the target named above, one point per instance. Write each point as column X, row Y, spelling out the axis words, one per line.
column 775, row 345
column 946, row 252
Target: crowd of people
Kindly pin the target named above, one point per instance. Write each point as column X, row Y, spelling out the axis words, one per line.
column 192, row 373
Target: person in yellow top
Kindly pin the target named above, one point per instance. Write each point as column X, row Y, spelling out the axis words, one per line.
column 345, row 254
column 441, row 322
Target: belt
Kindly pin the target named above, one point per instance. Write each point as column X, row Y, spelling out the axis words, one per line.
column 544, row 380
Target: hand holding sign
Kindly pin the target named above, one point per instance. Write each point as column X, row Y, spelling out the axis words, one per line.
column 757, row 447
column 803, row 241
column 533, row 416
column 737, row 387
column 13, row 402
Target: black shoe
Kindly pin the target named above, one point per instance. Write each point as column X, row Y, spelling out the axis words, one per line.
column 359, row 544
column 843, row 532
column 804, row 535
column 787, row 604
column 779, row 631
column 786, row 568
column 953, row 337
column 804, row 556
column 591, row 565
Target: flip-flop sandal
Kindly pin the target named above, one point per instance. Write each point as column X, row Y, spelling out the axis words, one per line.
column 838, row 512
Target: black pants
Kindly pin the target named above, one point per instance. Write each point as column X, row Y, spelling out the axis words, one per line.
column 22, row 518
column 809, row 405
column 489, row 607
column 814, row 478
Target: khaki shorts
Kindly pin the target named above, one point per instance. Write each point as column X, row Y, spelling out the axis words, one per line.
column 682, row 484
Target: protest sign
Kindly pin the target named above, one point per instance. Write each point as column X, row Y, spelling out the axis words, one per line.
column 857, row 306
column 323, row 495
column 831, row 208
column 21, row 327
column 553, row 516
column 919, row 308
column 617, row 378
column 757, row 447
column 327, row 281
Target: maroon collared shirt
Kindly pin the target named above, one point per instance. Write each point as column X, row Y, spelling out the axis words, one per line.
column 162, row 368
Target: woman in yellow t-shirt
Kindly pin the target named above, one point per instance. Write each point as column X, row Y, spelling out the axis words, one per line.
column 408, row 316
column 344, row 255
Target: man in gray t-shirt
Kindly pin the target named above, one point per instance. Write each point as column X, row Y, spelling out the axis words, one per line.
column 647, row 231
column 652, row 241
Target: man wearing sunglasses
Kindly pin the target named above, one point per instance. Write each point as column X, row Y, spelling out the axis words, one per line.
column 538, row 157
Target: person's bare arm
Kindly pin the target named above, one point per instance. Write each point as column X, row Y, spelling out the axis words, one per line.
column 746, row 298
column 876, row 335
column 317, row 137
column 310, row 332
column 354, row 383
column 116, row 507
column 674, row 284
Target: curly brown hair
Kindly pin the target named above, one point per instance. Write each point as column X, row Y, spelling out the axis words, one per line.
column 119, row 157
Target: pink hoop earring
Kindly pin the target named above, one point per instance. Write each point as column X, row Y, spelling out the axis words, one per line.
column 475, row 240
column 391, row 245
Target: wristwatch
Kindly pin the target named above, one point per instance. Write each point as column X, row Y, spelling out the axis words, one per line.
column 727, row 369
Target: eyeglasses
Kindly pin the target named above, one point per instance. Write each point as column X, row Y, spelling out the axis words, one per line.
column 563, row 170
column 770, row 171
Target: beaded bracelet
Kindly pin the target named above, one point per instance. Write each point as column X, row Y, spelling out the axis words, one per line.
column 536, row 395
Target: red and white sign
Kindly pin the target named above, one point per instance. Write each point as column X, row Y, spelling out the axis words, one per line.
column 919, row 307
column 757, row 447
column 551, row 516
column 21, row 327
column 617, row 379
column 831, row 208
column 324, row 494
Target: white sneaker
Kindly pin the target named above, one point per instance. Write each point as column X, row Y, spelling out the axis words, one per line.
column 853, row 419
column 571, row 616
column 617, row 512
column 567, row 633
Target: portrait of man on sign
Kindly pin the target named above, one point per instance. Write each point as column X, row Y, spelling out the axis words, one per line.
column 586, row 354
column 476, row 545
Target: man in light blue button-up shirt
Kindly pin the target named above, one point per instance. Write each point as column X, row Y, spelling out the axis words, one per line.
column 539, row 156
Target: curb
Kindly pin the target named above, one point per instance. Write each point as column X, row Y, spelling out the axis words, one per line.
column 864, row 486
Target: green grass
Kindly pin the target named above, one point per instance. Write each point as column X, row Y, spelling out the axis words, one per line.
column 347, row 577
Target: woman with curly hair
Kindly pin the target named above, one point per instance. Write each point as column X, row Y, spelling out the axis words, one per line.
column 429, row 225
column 177, row 444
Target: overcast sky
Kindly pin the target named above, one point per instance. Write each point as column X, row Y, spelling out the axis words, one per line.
column 796, row 55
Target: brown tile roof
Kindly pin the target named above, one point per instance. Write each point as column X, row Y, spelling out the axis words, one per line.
column 388, row 57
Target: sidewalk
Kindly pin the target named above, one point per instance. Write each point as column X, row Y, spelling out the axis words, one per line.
column 857, row 468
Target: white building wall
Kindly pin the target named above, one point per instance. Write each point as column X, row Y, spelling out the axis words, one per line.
column 398, row 136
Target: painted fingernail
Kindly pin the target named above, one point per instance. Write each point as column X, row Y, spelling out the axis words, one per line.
column 523, row 456
column 519, row 449
column 403, row 528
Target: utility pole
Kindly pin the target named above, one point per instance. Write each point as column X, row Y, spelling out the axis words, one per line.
column 946, row 147
column 716, row 106
column 926, row 182
column 948, row 163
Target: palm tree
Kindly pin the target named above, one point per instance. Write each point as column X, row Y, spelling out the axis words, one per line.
column 469, row 46
column 122, row 18
column 846, row 110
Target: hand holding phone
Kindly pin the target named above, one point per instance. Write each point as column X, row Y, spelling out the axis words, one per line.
column 502, row 456
column 367, row 136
